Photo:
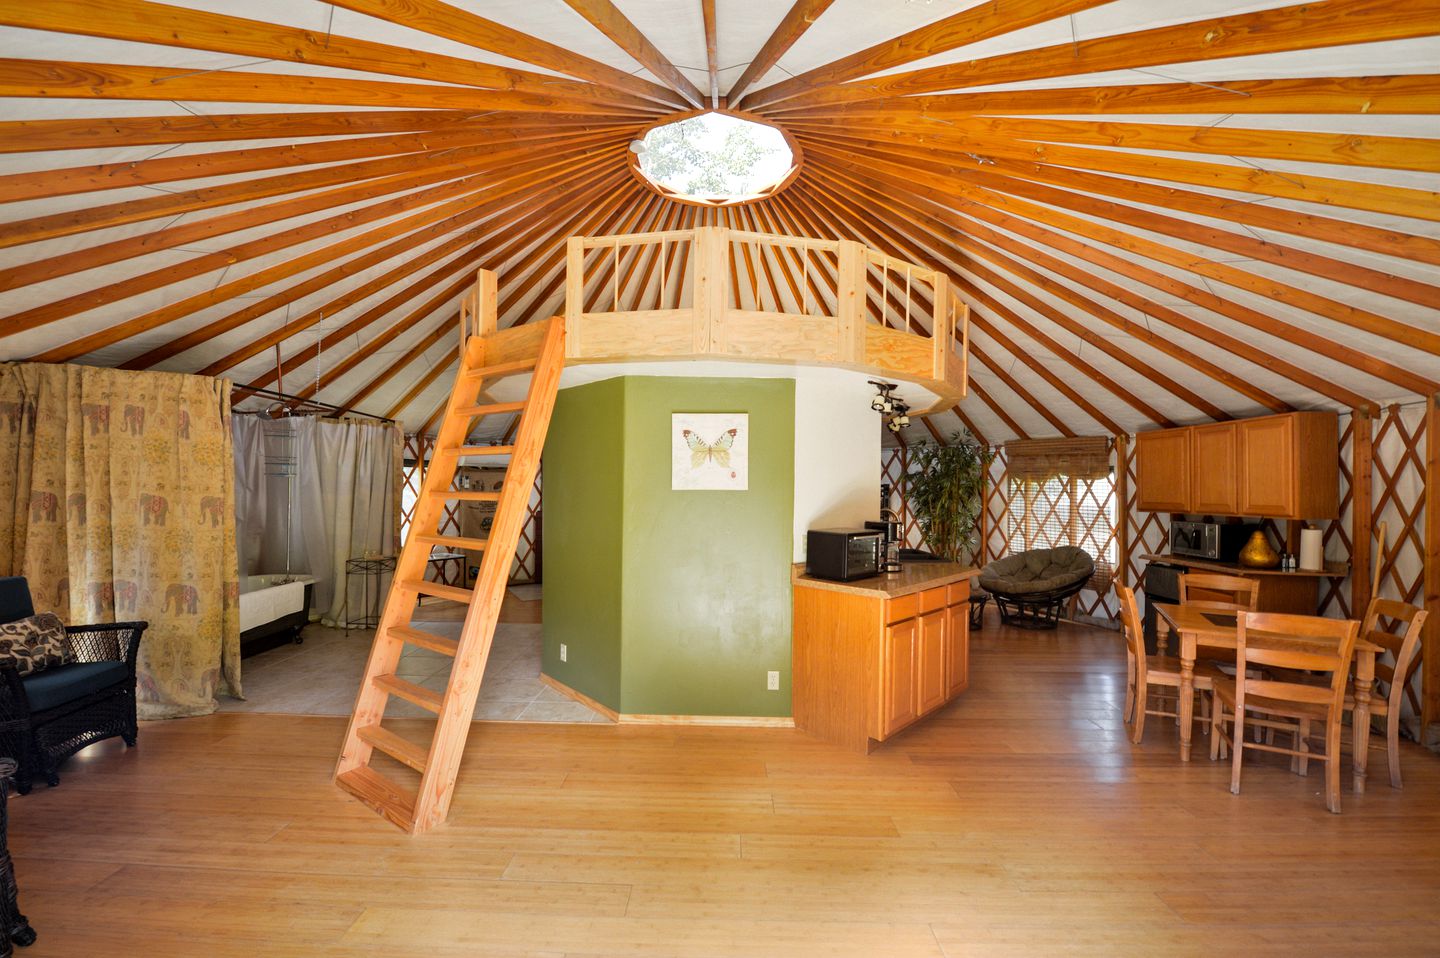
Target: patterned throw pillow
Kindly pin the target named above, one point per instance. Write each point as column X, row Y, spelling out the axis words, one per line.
column 35, row 644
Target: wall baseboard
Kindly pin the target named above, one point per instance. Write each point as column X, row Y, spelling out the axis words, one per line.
column 732, row 721
column 580, row 697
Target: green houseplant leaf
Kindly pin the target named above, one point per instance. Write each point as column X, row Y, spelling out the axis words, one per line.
column 945, row 489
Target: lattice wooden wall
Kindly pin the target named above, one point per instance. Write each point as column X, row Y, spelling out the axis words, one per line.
column 894, row 466
column 527, row 565
column 998, row 523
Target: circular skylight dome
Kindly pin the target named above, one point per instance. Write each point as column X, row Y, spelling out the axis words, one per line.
column 715, row 159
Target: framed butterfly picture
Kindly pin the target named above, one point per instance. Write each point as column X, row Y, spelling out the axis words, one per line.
column 710, row 451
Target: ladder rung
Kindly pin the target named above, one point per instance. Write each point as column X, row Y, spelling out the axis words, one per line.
column 439, row 590
column 400, row 749
column 464, row 451
column 501, row 369
column 489, row 409
column 426, row 640
column 466, row 495
column 410, row 692
column 454, row 542
column 381, row 794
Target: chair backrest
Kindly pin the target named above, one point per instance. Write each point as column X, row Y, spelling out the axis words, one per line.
column 1226, row 593
column 1402, row 641
column 15, row 598
column 1130, row 625
column 1304, row 642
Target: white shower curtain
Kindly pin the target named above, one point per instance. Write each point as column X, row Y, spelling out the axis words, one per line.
column 250, row 493
column 347, row 507
column 340, row 503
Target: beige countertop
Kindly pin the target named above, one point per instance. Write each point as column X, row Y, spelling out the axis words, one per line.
column 1332, row 570
column 914, row 577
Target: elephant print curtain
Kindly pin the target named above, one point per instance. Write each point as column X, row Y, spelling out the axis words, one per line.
column 117, row 503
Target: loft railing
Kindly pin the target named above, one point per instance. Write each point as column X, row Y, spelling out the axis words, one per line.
column 733, row 294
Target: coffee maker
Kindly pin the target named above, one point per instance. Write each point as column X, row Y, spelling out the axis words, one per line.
column 890, row 525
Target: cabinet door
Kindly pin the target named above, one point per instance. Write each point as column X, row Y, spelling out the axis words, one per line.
column 1162, row 459
column 1215, row 461
column 930, row 688
column 1267, row 467
column 897, row 679
column 957, row 649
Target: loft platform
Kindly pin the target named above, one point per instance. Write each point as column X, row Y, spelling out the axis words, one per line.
column 713, row 293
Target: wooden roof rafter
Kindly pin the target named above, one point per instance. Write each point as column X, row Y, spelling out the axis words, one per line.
column 1121, row 239
column 1306, row 26
column 604, row 16
column 142, row 21
column 965, row 237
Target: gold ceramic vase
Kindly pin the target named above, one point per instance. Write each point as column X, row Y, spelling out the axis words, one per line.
column 1258, row 554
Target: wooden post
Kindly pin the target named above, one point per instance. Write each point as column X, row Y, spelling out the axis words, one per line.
column 1122, row 507
column 1430, row 642
column 942, row 327
column 574, row 294
column 1362, row 509
column 712, row 285
column 850, row 304
column 487, row 316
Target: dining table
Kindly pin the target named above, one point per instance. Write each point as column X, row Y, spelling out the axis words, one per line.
column 1214, row 629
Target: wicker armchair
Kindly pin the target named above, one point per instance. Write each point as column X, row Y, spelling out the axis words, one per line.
column 47, row 716
column 1030, row 587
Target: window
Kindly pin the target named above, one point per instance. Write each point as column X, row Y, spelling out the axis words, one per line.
column 714, row 158
column 1062, row 493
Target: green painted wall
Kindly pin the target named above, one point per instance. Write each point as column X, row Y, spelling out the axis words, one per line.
column 584, row 473
column 707, row 574
column 671, row 603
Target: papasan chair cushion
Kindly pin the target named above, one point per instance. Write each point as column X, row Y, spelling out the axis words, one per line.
column 1037, row 571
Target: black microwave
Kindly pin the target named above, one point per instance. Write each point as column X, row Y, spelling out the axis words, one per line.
column 844, row 554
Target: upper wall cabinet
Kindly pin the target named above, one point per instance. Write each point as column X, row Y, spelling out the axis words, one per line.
column 1284, row 467
column 1215, row 483
column 1163, row 460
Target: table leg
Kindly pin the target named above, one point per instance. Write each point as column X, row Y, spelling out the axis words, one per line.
column 1364, row 683
column 1187, row 693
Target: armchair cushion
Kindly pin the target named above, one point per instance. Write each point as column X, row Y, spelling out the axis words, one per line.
column 34, row 643
column 1037, row 571
column 55, row 687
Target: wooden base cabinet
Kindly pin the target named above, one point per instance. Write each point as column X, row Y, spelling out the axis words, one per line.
column 867, row 666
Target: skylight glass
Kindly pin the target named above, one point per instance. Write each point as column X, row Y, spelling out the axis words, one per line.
column 715, row 158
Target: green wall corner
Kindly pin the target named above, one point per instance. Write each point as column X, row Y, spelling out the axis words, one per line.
column 672, row 602
column 584, row 474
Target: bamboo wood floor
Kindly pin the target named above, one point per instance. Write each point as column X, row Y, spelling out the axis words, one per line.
column 1020, row 821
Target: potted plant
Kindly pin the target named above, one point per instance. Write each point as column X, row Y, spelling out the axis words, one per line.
column 946, row 491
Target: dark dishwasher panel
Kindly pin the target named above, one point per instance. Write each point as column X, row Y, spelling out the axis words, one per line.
column 1162, row 584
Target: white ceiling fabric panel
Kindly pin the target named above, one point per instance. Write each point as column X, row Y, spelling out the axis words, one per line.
column 1098, row 214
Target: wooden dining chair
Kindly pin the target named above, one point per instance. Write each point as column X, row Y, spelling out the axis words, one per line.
column 1212, row 590
column 1143, row 671
column 1297, row 642
column 1403, row 643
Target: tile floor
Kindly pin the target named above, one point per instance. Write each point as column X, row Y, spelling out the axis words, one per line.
column 320, row 676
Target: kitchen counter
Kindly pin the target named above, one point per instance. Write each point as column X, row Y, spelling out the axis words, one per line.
column 913, row 577
column 1332, row 570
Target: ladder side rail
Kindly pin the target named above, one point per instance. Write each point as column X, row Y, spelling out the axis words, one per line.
column 437, row 784
column 385, row 649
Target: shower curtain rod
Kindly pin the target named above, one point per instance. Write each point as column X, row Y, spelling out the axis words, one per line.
column 297, row 400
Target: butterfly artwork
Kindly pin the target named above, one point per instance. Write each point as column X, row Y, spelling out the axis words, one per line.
column 710, row 451
column 717, row 452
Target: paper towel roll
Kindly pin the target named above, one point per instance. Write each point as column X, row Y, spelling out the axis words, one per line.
column 1312, row 550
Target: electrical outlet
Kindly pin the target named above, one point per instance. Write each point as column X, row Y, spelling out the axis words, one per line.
column 772, row 681
column 563, row 652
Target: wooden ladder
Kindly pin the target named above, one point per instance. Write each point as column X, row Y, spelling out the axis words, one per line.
column 485, row 356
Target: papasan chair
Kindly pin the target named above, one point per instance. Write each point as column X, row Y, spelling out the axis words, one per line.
column 1029, row 587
